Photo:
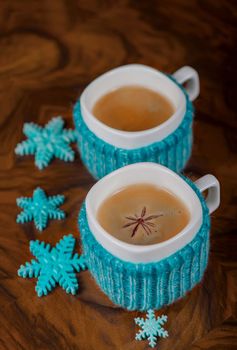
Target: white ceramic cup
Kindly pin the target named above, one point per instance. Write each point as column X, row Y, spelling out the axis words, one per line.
column 160, row 176
column 138, row 74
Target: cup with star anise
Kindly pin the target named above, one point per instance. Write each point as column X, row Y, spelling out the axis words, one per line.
column 142, row 277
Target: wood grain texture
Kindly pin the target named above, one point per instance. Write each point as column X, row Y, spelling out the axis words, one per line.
column 49, row 51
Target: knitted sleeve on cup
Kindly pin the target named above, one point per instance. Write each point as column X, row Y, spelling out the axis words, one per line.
column 101, row 158
column 144, row 286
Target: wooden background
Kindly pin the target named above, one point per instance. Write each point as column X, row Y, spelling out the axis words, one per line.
column 49, row 51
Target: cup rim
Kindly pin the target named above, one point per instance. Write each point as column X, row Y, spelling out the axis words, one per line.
column 136, row 138
column 194, row 223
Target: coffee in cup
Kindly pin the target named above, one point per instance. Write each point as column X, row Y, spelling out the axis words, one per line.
column 143, row 214
column 133, row 108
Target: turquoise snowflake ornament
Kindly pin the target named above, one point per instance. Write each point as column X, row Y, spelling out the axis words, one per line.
column 40, row 208
column 151, row 328
column 48, row 142
column 54, row 265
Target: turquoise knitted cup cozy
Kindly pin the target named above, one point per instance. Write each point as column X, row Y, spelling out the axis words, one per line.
column 101, row 158
column 144, row 286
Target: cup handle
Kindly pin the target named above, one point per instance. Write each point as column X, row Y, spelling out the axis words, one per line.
column 210, row 183
column 190, row 76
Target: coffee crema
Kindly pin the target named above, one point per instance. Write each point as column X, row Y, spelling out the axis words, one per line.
column 143, row 214
column 133, row 108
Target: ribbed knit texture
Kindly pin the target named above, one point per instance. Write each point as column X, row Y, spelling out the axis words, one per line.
column 101, row 158
column 144, row 286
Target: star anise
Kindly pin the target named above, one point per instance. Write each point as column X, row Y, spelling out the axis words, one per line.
column 143, row 221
